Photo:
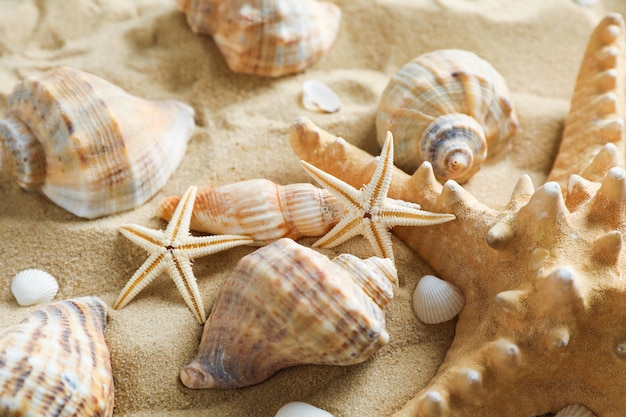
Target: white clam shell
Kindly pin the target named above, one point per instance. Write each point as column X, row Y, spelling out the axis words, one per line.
column 436, row 300
column 34, row 286
column 575, row 410
column 317, row 96
column 300, row 409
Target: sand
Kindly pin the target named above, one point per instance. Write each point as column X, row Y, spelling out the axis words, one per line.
column 146, row 47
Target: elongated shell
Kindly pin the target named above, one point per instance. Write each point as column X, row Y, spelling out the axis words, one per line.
column 89, row 146
column 266, row 37
column 34, row 286
column 300, row 409
column 261, row 209
column 436, row 300
column 448, row 107
column 285, row 305
column 56, row 362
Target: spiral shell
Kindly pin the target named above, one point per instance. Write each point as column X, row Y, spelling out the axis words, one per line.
column 89, row 146
column 436, row 300
column 34, row 286
column 266, row 37
column 261, row 209
column 300, row 409
column 285, row 305
column 448, row 107
column 56, row 362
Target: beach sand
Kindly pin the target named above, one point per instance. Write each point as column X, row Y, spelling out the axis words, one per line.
column 147, row 48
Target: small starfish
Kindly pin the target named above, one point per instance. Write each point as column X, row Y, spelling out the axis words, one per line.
column 369, row 212
column 173, row 250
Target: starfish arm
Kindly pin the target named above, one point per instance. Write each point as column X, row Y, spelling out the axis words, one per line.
column 348, row 195
column 198, row 246
column 348, row 227
column 149, row 270
column 181, row 273
column 376, row 190
column 401, row 215
column 150, row 240
column 178, row 227
column 378, row 236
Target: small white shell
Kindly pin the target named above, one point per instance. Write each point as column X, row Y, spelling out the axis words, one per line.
column 317, row 96
column 34, row 286
column 300, row 409
column 575, row 410
column 436, row 300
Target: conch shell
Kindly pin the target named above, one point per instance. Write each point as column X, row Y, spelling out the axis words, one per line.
column 262, row 210
column 448, row 107
column 56, row 362
column 88, row 145
column 266, row 37
column 286, row 305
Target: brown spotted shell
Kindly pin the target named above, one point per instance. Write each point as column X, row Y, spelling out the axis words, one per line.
column 448, row 107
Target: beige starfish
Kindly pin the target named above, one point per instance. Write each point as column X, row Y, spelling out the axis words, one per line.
column 173, row 250
column 369, row 212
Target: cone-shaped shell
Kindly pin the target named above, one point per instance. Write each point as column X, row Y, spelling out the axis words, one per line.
column 88, row 145
column 436, row 300
column 261, row 209
column 448, row 107
column 56, row 362
column 266, row 37
column 285, row 305
column 34, row 286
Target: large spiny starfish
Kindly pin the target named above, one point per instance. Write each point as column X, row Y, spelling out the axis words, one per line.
column 172, row 251
column 369, row 212
column 544, row 324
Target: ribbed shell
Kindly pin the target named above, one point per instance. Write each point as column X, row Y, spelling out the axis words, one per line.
column 285, row 305
column 300, row 409
column 56, row 362
column 575, row 410
column 448, row 82
column 33, row 286
column 261, row 209
column 436, row 300
column 266, row 37
column 90, row 147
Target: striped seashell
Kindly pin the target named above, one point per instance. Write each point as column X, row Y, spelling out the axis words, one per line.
column 261, row 209
column 575, row 410
column 300, row 409
column 285, row 305
column 88, row 145
column 56, row 362
column 266, row 37
column 34, row 286
column 448, row 107
column 436, row 300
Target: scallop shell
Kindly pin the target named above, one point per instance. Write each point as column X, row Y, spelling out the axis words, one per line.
column 266, row 37
column 261, row 209
column 575, row 410
column 56, row 362
column 34, row 286
column 286, row 305
column 448, row 107
column 89, row 146
column 300, row 409
column 436, row 300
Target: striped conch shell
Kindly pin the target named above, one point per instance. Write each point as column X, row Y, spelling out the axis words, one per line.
column 261, row 209
column 88, row 145
column 448, row 107
column 266, row 37
column 285, row 305
column 56, row 362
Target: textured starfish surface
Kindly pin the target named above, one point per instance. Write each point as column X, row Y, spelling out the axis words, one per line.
column 543, row 326
column 172, row 251
column 369, row 212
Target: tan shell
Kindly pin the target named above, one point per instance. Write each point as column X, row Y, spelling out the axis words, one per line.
column 286, row 305
column 56, row 362
column 266, row 37
column 448, row 107
column 89, row 146
column 261, row 209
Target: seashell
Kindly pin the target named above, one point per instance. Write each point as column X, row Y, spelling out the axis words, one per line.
column 575, row 410
column 300, row 409
column 436, row 300
column 448, row 107
column 89, row 146
column 34, row 286
column 317, row 96
column 266, row 37
column 285, row 305
column 261, row 209
column 56, row 362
